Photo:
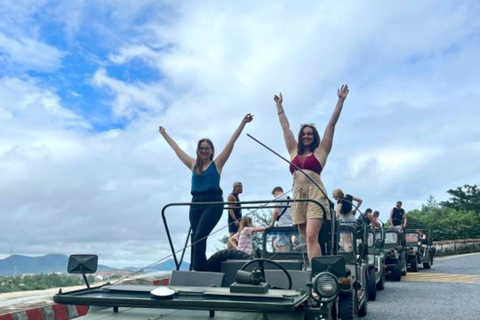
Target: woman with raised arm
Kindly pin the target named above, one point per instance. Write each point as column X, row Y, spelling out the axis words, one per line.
column 205, row 188
column 309, row 154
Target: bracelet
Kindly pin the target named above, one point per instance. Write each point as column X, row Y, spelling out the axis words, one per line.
column 280, row 112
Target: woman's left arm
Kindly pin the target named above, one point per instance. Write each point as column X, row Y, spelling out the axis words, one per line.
column 327, row 141
column 223, row 156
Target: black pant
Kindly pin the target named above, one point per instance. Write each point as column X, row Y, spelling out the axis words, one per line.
column 203, row 218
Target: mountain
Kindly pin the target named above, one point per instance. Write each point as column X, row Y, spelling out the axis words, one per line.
column 50, row 263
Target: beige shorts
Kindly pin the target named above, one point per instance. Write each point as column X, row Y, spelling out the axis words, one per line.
column 302, row 211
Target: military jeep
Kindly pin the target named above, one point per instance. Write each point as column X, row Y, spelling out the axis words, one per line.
column 352, row 245
column 419, row 250
column 395, row 254
column 376, row 261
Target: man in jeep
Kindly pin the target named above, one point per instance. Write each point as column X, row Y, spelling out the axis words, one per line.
column 398, row 217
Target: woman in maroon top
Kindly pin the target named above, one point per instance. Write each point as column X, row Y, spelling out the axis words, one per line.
column 310, row 154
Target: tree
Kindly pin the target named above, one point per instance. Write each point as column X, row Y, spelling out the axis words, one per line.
column 466, row 198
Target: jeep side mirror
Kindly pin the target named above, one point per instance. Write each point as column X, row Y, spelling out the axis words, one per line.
column 83, row 264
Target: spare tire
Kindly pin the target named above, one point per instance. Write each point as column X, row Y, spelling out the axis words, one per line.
column 214, row 263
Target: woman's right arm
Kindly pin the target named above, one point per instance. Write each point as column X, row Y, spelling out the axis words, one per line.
column 338, row 209
column 290, row 141
column 359, row 203
column 185, row 158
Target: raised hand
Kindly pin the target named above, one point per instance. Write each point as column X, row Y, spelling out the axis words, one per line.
column 278, row 99
column 161, row 129
column 343, row 92
column 248, row 118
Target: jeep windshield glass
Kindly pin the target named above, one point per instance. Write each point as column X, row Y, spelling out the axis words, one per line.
column 411, row 237
column 391, row 238
column 345, row 243
column 284, row 241
column 370, row 239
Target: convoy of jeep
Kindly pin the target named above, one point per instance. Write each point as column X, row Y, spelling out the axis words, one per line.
column 419, row 249
column 395, row 254
column 279, row 283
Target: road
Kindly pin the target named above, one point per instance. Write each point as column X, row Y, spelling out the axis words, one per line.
column 449, row 290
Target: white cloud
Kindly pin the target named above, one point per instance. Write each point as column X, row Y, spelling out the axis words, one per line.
column 29, row 54
column 408, row 129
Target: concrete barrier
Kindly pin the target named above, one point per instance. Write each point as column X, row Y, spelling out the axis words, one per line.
column 48, row 312
column 452, row 247
column 55, row 311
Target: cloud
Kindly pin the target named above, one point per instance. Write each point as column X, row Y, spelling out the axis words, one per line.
column 408, row 128
column 28, row 54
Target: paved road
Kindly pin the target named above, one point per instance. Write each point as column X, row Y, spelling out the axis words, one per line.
column 450, row 290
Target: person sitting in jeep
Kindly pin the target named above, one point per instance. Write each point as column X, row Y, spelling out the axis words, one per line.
column 375, row 216
column 422, row 237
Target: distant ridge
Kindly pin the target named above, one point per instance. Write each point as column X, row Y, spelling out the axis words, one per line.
column 51, row 263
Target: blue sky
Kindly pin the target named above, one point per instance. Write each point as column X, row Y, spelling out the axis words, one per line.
column 84, row 86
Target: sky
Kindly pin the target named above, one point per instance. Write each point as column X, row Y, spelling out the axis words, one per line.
column 84, row 86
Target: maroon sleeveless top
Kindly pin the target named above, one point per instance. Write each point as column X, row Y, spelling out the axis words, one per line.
column 309, row 163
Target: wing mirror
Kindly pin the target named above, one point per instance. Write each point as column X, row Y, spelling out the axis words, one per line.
column 83, row 264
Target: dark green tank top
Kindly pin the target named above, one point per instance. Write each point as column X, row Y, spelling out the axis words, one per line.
column 206, row 183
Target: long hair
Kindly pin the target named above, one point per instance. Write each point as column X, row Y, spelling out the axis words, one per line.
column 245, row 222
column 199, row 163
column 316, row 140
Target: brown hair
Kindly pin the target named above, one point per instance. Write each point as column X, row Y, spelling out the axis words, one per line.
column 277, row 189
column 199, row 163
column 316, row 140
column 245, row 222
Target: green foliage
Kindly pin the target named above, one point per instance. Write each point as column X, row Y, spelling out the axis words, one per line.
column 466, row 198
column 454, row 219
column 40, row 282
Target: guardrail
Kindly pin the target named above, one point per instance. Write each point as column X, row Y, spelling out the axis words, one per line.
column 444, row 248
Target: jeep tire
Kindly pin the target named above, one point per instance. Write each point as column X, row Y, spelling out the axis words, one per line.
column 347, row 305
column 214, row 263
column 371, row 285
column 397, row 273
column 413, row 264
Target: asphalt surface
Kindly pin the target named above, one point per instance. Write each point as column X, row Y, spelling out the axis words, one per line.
column 449, row 290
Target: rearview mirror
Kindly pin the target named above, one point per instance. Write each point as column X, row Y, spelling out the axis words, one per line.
column 82, row 263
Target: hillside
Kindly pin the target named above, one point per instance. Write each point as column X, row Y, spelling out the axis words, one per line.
column 50, row 263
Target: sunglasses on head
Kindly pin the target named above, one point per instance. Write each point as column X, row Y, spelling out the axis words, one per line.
column 307, row 124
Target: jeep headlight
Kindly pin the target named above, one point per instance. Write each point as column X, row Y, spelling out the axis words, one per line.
column 325, row 285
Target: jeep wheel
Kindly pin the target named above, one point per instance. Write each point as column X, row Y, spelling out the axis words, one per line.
column 428, row 264
column 214, row 263
column 347, row 306
column 371, row 285
column 362, row 311
column 414, row 264
column 404, row 268
column 397, row 274
column 381, row 283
